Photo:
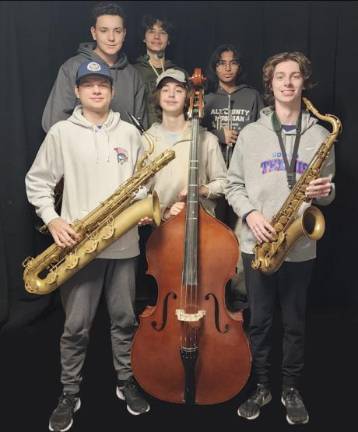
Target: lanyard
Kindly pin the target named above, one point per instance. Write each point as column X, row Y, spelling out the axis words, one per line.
column 290, row 167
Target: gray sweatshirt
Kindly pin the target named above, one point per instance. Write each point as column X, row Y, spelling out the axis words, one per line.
column 257, row 175
column 129, row 89
column 94, row 163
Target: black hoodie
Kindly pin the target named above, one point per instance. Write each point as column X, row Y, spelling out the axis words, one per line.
column 129, row 89
column 245, row 103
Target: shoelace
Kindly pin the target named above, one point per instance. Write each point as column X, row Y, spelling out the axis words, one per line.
column 67, row 400
column 292, row 396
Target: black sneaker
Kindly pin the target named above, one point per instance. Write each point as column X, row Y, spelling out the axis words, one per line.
column 61, row 419
column 130, row 392
column 295, row 408
column 250, row 409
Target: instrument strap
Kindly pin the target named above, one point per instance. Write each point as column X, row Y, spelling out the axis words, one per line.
column 290, row 167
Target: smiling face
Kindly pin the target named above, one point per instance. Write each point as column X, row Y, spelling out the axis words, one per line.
column 287, row 83
column 172, row 97
column 109, row 34
column 156, row 38
column 95, row 94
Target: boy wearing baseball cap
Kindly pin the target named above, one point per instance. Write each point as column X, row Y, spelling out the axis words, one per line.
column 94, row 151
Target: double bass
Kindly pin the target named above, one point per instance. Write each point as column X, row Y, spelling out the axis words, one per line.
column 189, row 348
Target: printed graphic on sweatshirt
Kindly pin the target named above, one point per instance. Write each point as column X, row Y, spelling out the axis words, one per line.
column 122, row 155
column 220, row 118
column 278, row 164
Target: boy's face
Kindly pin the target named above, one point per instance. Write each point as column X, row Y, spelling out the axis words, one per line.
column 156, row 38
column 172, row 97
column 95, row 93
column 109, row 33
column 227, row 68
column 287, row 82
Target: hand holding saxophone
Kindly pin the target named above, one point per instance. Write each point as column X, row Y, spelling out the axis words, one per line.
column 319, row 188
column 260, row 227
column 63, row 233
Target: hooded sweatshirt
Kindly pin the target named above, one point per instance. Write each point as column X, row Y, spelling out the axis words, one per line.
column 129, row 89
column 150, row 77
column 173, row 178
column 94, row 162
column 245, row 103
column 257, row 175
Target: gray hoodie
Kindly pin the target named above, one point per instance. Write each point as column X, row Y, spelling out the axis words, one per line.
column 257, row 175
column 129, row 89
column 94, row 163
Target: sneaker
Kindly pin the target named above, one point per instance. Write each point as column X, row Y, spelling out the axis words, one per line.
column 61, row 419
column 130, row 392
column 295, row 408
column 250, row 409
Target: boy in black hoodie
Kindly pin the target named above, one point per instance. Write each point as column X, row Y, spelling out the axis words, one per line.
column 108, row 31
column 229, row 106
column 156, row 34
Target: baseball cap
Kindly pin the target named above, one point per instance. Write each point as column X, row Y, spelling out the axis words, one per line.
column 93, row 68
column 175, row 74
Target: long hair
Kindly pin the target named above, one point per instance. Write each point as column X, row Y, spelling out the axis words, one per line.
column 213, row 81
column 155, row 98
column 269, row 68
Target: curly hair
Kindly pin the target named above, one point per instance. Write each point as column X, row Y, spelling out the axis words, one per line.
column 148, row 21
column 107, row 8
column 269, row 68
column 213, row 81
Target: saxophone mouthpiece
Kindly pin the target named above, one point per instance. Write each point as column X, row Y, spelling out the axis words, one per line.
column 136, row 123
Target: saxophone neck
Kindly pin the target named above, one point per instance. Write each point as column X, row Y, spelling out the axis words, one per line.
column 330, row 118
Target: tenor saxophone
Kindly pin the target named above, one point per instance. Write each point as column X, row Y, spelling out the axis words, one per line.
column 99, row 229
column 269, row 256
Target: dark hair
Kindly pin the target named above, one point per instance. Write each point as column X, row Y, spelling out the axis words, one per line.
column 213, row 81
column 107, row 8
column 148, row 21
column 269, row 68
column 155, row 98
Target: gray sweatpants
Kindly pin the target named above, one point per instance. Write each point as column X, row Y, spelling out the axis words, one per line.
column 80, row 298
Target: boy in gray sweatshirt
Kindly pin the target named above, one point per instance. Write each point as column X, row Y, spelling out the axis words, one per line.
column 108, row 32
column 94, row 151
column 260, row 178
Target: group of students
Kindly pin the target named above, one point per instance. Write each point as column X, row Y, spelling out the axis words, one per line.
column 91, row 144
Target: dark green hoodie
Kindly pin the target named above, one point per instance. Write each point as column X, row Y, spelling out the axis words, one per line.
column 149, row 77
column 129, row 89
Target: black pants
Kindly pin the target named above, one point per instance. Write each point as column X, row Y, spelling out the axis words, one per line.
column 289, row 286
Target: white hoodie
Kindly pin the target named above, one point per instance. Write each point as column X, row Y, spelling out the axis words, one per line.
column 94, row 162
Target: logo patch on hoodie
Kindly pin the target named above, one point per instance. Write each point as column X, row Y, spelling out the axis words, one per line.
column 122, row 155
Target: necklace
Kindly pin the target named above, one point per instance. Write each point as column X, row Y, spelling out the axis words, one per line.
column 154, row 69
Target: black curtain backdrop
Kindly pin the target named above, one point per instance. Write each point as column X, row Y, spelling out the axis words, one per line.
column 37, row 37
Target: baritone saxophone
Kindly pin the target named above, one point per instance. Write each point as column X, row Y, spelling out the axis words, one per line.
column 99, row 229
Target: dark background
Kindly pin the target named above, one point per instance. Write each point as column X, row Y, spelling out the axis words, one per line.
column 36, row 38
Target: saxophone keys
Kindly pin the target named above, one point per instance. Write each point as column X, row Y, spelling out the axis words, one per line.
column 71, row 261
column 91, row 245
column 51, row 277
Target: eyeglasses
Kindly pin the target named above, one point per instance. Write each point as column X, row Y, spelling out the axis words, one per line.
column 223, row 63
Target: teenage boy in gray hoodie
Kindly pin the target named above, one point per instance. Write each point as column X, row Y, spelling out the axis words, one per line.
column 94, row 151
column 229, row 106
column 108, row 32
column 259, row 181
